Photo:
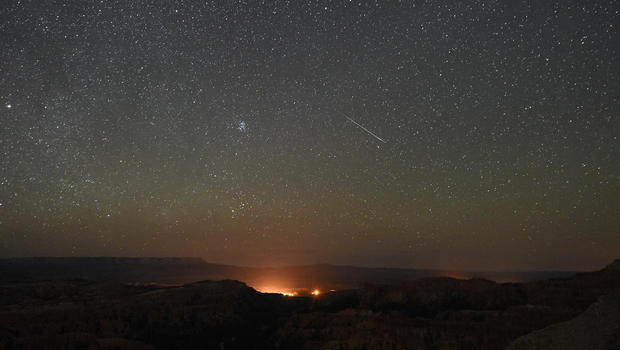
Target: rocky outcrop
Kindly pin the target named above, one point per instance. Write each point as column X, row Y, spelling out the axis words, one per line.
column 80, row 315
column 428, row 297
column 598, row 328
column 614, row 266
column 444, row 313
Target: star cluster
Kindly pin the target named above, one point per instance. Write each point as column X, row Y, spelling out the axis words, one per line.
column 217, row 129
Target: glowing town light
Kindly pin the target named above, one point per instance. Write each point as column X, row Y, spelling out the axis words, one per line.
column 316, row 292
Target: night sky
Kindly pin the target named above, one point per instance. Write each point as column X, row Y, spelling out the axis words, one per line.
column 221, row 129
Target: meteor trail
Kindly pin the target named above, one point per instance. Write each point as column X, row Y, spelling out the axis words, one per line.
column 363, row 128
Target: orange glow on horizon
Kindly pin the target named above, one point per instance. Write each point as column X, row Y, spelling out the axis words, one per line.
column 288, row 293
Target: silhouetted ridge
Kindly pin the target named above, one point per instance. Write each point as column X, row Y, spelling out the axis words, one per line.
column 149, row 269
column 109, row 260
column 615, row 265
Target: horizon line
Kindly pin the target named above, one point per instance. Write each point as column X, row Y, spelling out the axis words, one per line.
column 518, row 270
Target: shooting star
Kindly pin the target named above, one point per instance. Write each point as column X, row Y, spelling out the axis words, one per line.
column 363, row 128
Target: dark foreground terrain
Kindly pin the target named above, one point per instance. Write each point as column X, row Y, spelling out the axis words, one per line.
column 429, row 313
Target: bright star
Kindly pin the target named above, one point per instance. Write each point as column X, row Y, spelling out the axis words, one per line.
column 243, row 127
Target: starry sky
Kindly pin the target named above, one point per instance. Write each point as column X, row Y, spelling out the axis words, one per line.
column 224, row 130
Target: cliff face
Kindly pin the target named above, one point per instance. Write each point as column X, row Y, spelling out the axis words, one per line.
column 432, row 313
column 598, row 328
column 614, row 266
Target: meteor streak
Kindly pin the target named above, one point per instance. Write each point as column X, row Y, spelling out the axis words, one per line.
column 363, row 128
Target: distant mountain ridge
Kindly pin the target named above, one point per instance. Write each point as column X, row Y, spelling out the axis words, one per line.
column 178, row 270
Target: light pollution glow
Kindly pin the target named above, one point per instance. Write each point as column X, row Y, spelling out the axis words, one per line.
column 289, row 292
